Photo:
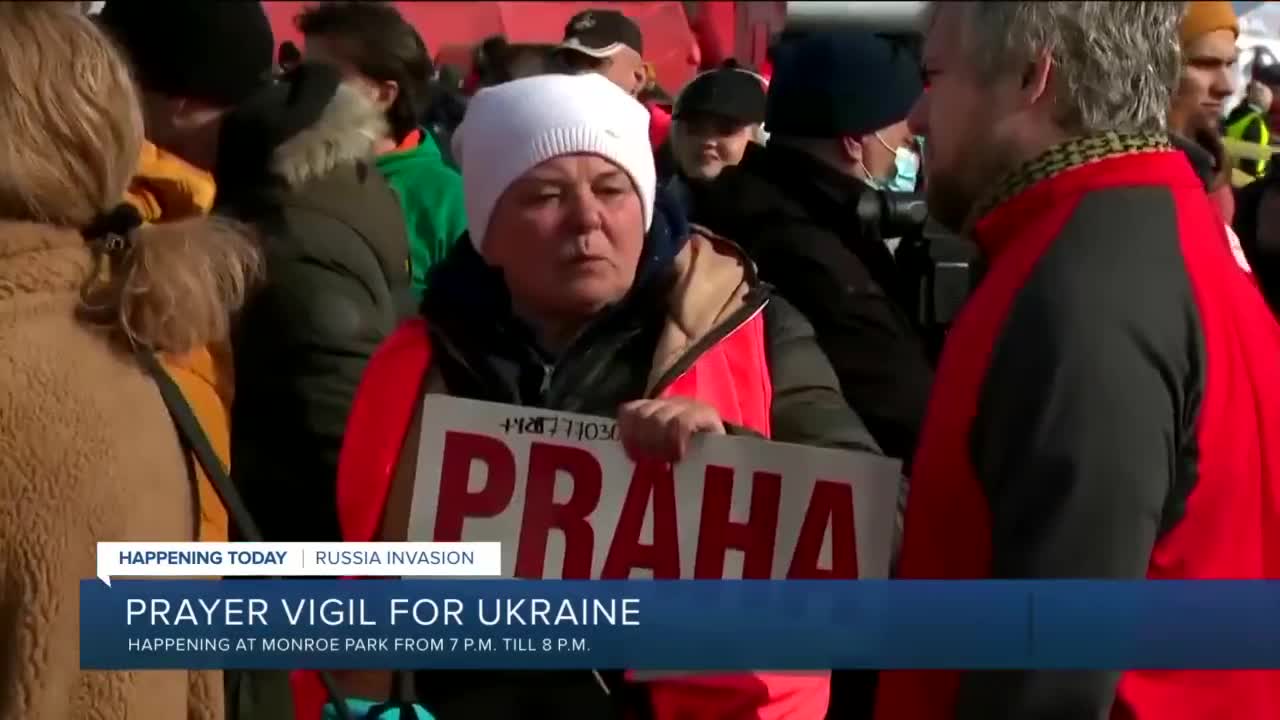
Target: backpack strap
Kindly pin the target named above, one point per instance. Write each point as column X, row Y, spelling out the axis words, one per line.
column 197, row 508
column 194, row 440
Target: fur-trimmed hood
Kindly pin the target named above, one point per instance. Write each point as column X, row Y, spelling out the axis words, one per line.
column 296, row 162
column 298, row 129
column 345, row 132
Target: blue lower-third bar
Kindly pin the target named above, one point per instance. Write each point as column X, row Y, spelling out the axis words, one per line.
column 678, row 625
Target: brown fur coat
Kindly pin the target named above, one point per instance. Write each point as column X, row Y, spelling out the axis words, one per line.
column 87, row 454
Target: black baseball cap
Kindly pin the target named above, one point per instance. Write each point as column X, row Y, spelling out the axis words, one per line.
column 730, row 92
column 601, row 33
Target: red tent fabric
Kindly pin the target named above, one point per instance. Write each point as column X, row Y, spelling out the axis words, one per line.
column 669, row 42
column 715, row 26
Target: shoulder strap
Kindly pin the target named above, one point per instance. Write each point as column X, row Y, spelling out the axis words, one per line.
column 197, row 443
column 195, row 440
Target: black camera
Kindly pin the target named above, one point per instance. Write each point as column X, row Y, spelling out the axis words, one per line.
column 892, row 214
column 936, row 269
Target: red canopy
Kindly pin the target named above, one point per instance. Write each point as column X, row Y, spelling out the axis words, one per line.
column 669, row 43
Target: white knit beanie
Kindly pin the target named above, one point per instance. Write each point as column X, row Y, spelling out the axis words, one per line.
column 511, row 128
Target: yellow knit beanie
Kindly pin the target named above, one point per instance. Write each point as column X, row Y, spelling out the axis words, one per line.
column 1203, row 18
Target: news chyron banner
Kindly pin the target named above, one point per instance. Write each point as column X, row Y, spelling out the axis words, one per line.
column 661, row 627
column 536, row 544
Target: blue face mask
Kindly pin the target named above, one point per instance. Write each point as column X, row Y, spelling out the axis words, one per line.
column 906, row 169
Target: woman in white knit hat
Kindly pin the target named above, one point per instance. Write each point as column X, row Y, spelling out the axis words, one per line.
column 579, row 290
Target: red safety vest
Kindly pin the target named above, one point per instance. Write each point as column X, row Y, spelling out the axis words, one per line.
column 1229, row 528
column 732, row 376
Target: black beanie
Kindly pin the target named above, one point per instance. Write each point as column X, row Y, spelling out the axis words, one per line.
column 209, row 50
column 837, row 83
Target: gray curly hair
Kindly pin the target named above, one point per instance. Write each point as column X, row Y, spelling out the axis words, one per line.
column 1116, row 64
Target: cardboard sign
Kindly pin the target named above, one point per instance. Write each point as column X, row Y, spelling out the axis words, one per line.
column 560, row 494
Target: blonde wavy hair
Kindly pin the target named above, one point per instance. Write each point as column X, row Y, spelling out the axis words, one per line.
column 71, row 141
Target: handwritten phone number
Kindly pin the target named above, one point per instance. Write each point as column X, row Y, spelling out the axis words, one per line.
column 486, row 645
column 564, row 428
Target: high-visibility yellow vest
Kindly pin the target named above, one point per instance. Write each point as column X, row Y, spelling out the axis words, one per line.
column 1237, row 129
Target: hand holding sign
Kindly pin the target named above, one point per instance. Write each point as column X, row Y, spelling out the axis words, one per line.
column 559, row 491
column 661, row 430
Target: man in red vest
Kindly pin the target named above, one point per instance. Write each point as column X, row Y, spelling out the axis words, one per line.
column 1107, row 405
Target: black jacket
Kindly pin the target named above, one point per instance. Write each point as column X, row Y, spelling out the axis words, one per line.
column 797, row 219
column 1255, row 214
column 336, row 285
column 487, row 354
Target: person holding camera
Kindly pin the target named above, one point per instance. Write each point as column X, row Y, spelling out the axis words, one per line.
column 835, row 114
column 836, row 117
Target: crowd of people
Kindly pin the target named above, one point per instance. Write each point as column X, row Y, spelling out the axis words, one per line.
column 229, row 286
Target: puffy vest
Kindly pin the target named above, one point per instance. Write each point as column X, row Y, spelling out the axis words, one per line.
column 732, row 376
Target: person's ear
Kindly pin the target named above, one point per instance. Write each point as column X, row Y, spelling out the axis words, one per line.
column 851, row 148
column 1035, row 78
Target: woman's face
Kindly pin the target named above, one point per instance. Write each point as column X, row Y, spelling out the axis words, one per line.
column 706, row 144
column 568, row 236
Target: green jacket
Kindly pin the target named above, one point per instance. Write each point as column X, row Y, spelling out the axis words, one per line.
column 431, row 195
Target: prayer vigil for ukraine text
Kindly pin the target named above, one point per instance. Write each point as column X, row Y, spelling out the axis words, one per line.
column 338, row 612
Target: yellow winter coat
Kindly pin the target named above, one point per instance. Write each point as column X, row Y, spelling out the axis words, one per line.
column 166, row 188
